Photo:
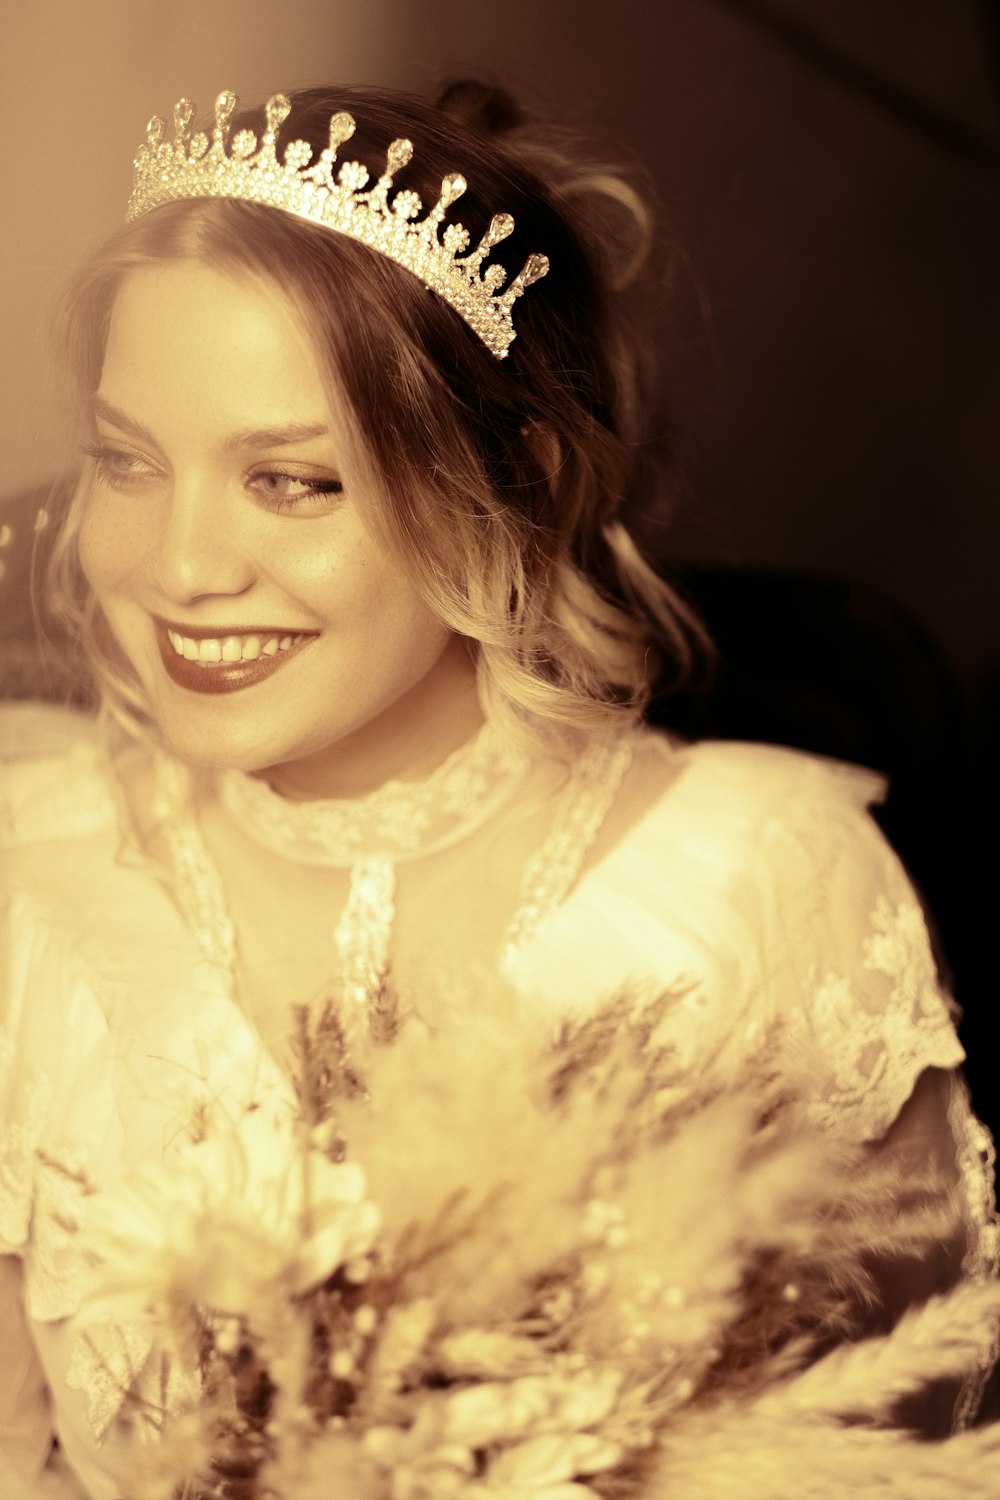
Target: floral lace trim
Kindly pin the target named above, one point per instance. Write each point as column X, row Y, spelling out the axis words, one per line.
column 875, row 1053
column 108, row 1364
column 399, row 820
column 55, row 1274
column 41, row 1208
column 117, row 1366
column 553, row 870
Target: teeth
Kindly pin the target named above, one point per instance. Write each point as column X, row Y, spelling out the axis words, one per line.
column 230, row 648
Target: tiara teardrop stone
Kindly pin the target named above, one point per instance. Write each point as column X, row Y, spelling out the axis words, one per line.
column 252, row 171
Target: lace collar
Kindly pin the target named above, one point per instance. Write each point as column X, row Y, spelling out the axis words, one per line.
column 398, row 821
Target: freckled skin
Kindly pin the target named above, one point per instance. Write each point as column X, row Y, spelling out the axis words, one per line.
column 184, row 528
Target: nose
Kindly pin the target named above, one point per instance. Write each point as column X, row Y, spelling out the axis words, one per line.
column 199, row 552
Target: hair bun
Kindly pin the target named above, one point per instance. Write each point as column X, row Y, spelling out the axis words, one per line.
column 488, row 109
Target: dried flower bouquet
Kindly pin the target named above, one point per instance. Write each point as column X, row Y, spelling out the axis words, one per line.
column 491, row 1266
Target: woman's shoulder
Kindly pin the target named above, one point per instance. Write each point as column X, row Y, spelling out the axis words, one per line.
column 56, row 778
column 772, row 857
column 776, row 848
column 754, row 879
column 763, row 775
column 740, row 805
column 708, row 866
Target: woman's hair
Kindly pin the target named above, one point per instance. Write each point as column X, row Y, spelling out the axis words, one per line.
column 502, row 485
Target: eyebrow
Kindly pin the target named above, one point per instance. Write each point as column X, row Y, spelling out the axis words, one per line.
column 250, row 437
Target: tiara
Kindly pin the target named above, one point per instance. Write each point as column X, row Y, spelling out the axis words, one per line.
column 199, row 166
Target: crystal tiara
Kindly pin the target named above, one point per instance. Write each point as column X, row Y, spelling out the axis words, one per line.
column 199, row 166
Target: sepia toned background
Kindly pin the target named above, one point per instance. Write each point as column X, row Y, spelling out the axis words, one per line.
column 831, row 169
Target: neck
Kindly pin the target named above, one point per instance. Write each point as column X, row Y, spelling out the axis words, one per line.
column 406, row 742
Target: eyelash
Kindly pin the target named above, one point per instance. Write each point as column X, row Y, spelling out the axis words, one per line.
column 108, row 462
column 316, row 491
column 105, row 460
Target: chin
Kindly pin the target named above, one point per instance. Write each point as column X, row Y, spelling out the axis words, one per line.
column 220, row 747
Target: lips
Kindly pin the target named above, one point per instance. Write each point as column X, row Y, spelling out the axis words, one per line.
column 221, row 676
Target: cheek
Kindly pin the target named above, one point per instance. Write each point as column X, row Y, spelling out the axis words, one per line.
column 396, row 633
column 346, row 578
column 108, row 543
column 399, row 622
column 407, row 641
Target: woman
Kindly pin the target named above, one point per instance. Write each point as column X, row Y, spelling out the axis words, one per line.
column 372, row 642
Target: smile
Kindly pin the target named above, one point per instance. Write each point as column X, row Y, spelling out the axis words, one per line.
column 211, row 650
column 225, row 663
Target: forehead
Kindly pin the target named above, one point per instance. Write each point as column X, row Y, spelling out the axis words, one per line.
column 187, row 342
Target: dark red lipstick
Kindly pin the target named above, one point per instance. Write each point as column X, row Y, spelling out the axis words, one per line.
column 221, row 677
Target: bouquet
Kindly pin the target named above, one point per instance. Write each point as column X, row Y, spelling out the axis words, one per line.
column 494, row 1265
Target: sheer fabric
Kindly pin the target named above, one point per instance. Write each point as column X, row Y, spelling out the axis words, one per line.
column 755, row 878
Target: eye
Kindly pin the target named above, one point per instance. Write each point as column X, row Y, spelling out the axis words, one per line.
column 120, row 468
column 279, row 491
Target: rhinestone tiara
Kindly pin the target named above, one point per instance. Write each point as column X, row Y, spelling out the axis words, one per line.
column 248, row 169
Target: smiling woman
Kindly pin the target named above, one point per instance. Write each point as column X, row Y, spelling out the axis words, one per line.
column 216, row 529
column 351, row 563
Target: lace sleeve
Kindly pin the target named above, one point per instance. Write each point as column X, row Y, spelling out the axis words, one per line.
column 851, row 969
column 854, row 981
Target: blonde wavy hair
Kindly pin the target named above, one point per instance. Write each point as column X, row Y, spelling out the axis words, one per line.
column 503, row 486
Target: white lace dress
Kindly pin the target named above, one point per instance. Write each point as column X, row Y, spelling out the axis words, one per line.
column 756, row 876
